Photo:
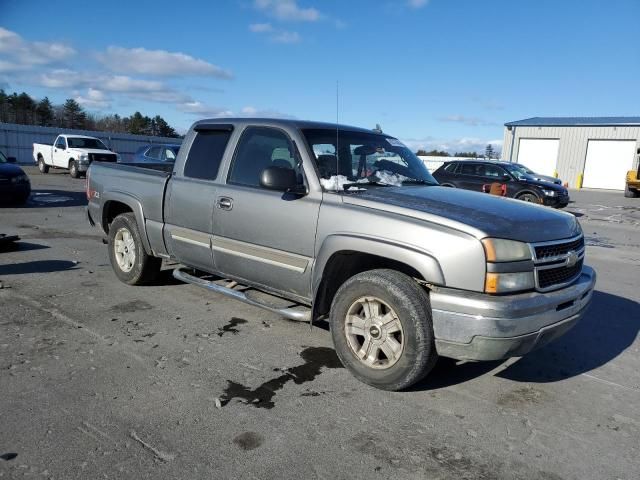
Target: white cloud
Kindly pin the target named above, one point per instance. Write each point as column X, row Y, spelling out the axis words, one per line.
column 254, row 112
column 158, row 62
column 26, row 54
column 471, row 121
column 149, row 90
column 275, row 35
column 286, row 37
column 417, row 3
column 261, row 27
column 93, row 99
column 288, row 10
column 198, row 108
column 452, row 145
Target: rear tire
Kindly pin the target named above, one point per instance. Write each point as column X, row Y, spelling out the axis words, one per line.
column 628, row 193
column 43, row 167
column 130, row 262
column 382, row 329
column 73, row 169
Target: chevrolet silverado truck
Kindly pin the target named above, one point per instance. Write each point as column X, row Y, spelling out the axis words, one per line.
column 320, row 221
column 72, row 152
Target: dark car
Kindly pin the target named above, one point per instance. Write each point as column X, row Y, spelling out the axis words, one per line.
column 156, row 153
column 15, row 186
column 479, row 175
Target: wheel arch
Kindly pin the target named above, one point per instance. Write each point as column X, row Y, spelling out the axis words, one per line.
column 342, row 256
column 115, row 204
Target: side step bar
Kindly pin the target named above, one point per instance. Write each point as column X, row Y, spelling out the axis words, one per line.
column 297, row 315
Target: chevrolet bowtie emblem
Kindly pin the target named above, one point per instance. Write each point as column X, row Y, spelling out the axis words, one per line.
column 572, row 258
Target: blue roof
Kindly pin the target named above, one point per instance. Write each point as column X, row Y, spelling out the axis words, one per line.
column 573, row 121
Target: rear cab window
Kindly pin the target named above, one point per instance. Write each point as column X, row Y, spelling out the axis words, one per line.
column 206, row 152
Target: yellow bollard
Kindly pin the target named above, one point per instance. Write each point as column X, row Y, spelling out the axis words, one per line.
column 555, row 173
column 579, row 181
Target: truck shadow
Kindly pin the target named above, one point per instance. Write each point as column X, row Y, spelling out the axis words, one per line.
column 20, row 246
column 610, row 326
column 37, row 266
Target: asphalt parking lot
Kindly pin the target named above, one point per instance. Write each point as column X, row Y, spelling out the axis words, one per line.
column 102, row 380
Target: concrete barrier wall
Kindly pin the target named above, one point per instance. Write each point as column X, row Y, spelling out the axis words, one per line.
column 17, row 140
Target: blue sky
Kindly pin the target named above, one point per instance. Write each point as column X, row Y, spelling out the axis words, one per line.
column 436, row 73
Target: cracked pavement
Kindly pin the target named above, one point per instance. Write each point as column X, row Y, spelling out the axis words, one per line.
column 99, row 379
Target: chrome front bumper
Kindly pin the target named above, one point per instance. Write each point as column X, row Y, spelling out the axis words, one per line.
column 476, row 326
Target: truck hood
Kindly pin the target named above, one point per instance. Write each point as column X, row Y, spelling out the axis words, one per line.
column 89, row 150
column 487, row 215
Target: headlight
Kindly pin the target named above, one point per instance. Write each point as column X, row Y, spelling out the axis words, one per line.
column 20, row 179
column 500, row 250
column 508, row 282
column 550, row 193
column 83, row 157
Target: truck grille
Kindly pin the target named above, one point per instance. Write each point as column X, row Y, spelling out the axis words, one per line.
column 558, row 276
column 558, row 263
column 544, row 252
column 102, row 157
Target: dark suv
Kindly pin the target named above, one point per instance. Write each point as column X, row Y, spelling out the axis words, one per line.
column 479, row 175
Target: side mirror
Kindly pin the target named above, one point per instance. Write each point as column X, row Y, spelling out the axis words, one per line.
column 505, row 178
column 61, row 147
column 279, row 178
column 11, row 159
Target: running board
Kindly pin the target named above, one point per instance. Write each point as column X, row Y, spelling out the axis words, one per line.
column 288, row 312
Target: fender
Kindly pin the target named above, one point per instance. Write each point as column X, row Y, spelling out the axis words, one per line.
column 410, row 255
column 136, row 206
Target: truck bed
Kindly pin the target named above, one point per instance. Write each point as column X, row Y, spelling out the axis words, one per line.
column 146, row 183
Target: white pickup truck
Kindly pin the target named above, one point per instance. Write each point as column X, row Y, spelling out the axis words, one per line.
column 72, row 152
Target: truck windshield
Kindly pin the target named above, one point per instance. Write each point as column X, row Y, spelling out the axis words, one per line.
column 79, row 142
column 363, row 159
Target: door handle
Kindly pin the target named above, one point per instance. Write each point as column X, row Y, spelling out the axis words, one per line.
column 225, row 203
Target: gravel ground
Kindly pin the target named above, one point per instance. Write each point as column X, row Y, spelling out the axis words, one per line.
column 102, row 380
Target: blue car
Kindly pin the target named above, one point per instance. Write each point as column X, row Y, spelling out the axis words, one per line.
column 15, row 186
column 156, row 153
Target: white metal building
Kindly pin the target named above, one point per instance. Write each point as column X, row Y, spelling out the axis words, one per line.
column 17, row 140
column 590, row 152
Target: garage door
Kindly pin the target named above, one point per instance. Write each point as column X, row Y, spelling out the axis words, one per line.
column 607, row 163
column 539, row 155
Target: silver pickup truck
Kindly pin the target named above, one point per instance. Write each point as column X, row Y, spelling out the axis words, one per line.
column 314, row 220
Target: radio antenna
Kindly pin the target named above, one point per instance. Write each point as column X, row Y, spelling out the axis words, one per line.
column 337, row 130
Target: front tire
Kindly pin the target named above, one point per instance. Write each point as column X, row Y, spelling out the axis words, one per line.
column 129, row 261
column 628, row 193
column 43, row 167
column 73, row 169
column 382, row 329
column 529, row 197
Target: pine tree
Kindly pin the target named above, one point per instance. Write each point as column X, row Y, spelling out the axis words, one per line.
column 44, row 113
column 73, row 114
column 489, row 153
column 162, row 128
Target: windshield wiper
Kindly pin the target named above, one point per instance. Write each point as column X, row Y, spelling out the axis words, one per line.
column 418, row 182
